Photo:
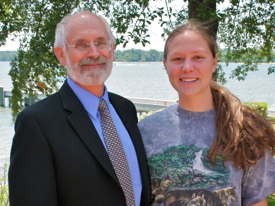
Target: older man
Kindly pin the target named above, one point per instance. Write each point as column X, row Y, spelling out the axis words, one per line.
column 81, row 145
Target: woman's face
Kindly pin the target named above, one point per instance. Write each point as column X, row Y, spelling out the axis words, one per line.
column 190, row 64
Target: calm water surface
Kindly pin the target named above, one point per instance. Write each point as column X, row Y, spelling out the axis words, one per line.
column 146, row 80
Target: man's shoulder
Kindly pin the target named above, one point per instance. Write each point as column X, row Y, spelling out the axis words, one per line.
column 54, row 101
column 48, row 104
column 117, row 98
column 113, row 95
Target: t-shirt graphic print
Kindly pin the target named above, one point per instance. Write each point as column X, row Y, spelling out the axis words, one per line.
column 187, row 167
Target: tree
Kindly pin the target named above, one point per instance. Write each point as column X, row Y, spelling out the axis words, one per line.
column 245, row 27
column 5, row 9
column 132, row 55
column 248, row 31
column 154, row 54
column 206, row 10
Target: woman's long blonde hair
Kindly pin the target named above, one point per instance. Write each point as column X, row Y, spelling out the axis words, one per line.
column 242, row 135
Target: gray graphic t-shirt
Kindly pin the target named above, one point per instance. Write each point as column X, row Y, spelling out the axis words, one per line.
column 177, row 142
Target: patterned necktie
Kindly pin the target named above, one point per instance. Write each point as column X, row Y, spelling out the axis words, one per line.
column 116, row 152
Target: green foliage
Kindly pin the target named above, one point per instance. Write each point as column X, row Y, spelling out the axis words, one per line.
column 4, row 190
column 177, row 161
column 138, row 55
column 218, row 166
column 246, row 28
column 7, row 55
column 36, row 69
column 148, row 114
column 5, row 19
column 271, row 200
column 219, row 75
column 223, row 53
column 259, row 107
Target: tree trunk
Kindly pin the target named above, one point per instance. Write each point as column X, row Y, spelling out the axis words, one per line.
column 205, row 10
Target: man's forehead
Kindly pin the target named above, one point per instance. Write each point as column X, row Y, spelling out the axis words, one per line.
column 85, row 18
column 84, row 26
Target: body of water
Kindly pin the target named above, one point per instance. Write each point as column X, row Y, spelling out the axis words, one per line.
column 147, row 80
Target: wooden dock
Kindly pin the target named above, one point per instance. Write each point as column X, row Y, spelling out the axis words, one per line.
column 143, row 105
column 271, row 111
column 147, row 105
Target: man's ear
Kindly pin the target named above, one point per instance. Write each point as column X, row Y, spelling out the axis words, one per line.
column 113, row 51
column 60, row 54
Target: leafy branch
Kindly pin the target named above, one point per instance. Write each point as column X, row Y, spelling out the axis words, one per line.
column 4, row 190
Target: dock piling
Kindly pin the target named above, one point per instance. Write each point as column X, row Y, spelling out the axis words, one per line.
column 2, row 98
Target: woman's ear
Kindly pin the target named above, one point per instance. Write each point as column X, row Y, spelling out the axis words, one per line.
column 164, row 64
column 215, row 63
column 60, row 54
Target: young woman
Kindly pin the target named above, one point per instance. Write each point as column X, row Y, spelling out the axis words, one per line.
column 207, row 149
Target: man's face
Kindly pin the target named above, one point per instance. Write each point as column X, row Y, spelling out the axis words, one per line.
column 91, row 65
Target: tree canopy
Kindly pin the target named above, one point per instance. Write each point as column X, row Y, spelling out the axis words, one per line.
column 138, row 55
column 244, row 27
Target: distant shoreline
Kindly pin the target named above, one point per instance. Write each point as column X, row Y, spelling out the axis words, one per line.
column 161, row 62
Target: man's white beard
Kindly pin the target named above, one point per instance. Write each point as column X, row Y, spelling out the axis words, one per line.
column 95, row 76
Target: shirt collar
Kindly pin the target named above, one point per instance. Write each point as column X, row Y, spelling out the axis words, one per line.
column 89, row 100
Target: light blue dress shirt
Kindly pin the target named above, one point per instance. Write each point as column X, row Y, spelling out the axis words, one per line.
column 90, row 103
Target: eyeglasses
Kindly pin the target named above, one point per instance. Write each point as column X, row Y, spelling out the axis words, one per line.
column 100, row 46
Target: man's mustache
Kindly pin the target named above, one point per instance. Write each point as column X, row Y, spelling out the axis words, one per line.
column 98, row 60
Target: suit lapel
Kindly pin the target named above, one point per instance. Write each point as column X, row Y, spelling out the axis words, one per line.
column 83, row 125
column 126, row 115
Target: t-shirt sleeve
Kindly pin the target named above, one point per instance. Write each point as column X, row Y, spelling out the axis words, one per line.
column 259, row 180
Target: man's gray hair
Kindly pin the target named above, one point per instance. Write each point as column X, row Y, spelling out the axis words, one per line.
column 60, row 33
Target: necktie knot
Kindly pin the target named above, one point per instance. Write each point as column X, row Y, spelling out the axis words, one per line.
column 102, row 105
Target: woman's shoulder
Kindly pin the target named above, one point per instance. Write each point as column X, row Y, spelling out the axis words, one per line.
column 154, row 116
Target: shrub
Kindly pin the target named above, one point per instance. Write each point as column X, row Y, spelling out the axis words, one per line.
column 259, row 107
column 148, row 114
column 271, row 200
column 4, row 190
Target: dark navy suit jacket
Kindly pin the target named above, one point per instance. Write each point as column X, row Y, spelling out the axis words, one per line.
column 57, row 157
